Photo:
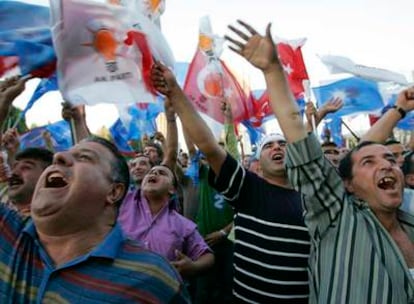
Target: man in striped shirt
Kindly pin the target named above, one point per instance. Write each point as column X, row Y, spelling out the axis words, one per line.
column 71, row 250
column 272, row 242
column 362, row 245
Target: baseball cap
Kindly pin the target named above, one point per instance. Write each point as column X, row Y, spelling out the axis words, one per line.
column 273, row 137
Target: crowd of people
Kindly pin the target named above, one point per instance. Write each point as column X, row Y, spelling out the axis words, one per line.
column 299, row 221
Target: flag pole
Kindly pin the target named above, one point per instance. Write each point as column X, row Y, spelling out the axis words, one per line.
column 350, row 130
column 306, row 86
column 73, row 131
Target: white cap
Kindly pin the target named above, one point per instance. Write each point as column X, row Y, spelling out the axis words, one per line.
column 273, row 137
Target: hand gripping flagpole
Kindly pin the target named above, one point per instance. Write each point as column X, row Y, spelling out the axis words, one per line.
column 306, row 86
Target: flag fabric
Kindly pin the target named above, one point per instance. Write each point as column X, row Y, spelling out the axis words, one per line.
column 334, row 125
column 255, row 133
column 209, row 80
column 206, row 84
column 34, row 52
column 60, row 135
column 180, row 71
column 36, row 59
column 29, row 39
column 44, row 86
column 7, row 64
column 261, row 107
column 15, row 15
column 407, row 123
column 139, row 119
column 290, row 56
column 102, row 58
column 120, row 137
column 340, row 64
column 358, row 95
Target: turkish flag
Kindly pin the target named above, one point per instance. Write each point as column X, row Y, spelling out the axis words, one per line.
column 290, row 56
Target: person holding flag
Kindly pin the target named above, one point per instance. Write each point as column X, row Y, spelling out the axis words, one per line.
column 271, row 240
column 362, row 247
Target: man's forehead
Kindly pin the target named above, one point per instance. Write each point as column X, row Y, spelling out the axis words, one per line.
column 161, row 168
column 372, row 150
column 140, row 158
column 272, row 142
column 92, row 147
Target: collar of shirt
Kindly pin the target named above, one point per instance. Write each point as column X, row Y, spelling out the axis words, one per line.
column 108, row 248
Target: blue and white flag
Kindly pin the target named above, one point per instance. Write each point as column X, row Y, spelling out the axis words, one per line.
column 60, row 135
column 359, row 95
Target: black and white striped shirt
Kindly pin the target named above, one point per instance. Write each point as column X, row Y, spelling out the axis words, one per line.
column 271, row 241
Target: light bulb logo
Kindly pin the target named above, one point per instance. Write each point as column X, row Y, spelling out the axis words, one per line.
column 104, row 43
column 206, row 44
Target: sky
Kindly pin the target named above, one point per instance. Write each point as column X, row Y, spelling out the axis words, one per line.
column 375, row 33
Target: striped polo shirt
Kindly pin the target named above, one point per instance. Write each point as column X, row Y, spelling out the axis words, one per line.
column 271, row 241
column 353, row 257
column 118, row 270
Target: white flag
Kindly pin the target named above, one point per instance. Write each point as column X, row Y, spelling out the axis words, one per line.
column 340, row 64
column 102, row 57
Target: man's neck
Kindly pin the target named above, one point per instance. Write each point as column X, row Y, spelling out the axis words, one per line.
column 281, row 181
column 64, row 248
column 388, row 220
column 156, row 203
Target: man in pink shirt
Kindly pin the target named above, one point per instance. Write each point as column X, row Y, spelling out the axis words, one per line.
column 151, row 217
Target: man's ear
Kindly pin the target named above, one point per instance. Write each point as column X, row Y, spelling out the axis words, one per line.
column 172, row 191
column 348, row 186
column 117, row 190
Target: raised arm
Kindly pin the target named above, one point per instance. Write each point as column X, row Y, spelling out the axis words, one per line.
column 230, row 139
column 260, row 51
column 11, row 143
column 382, row 129
column 171, row 146
column 76, row 116
column 198, row 131
column 9, row 90
column 331, row 106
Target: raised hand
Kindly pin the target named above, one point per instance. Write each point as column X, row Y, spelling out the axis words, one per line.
column 405, row 99
column 333, row 105
column 11, row 88
column 163, row 79
column 310, row 110
column 10, row 141
column 259, row 50
column 70, row 111
column 226, row 109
